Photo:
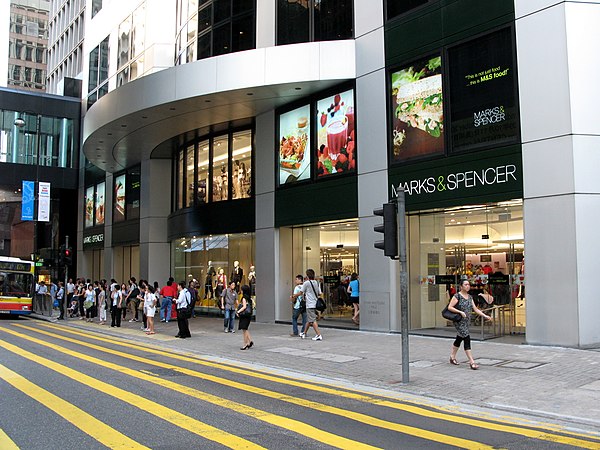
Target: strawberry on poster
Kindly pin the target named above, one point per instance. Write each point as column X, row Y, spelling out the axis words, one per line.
column 336, row 134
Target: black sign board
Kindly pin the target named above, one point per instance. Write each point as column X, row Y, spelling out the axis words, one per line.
column 499, row 278
column 485, row 258
column 15, row 266
column 331, row 279
column 483, row 94
column 445, row 279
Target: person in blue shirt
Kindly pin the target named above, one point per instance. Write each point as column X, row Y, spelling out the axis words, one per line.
column 354, row 291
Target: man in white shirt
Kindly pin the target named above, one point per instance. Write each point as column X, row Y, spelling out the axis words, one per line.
column 183, row 300
column 41, row 291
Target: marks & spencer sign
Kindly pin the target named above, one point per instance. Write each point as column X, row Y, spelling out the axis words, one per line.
column 487, row 179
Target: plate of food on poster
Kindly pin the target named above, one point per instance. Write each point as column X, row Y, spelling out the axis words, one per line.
column 294, row 158
column 336, row 135
column 417, row 105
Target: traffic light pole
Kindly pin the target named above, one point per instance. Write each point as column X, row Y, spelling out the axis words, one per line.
column 401, row 222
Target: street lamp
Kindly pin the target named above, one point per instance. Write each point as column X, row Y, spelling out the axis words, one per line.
column 20, row 123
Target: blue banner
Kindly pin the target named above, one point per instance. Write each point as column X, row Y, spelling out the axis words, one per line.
column 28, row 200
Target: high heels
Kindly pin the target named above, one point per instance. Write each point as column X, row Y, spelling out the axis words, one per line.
column 245, row 347
column 250, row 344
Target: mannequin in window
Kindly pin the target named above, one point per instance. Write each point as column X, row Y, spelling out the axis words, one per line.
column 237, row 187
column 223, row 183
column 252, row 280
column 208, row 283
column 221, row 283
column 237, row 275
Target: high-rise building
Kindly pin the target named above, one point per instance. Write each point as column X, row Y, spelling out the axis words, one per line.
column 27, row 44
column 252, row 140
column 65, row 47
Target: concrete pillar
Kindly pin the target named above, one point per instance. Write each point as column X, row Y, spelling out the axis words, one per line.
column 267, row 237
column 155, row 206
column 556, row 42
column 378, row 307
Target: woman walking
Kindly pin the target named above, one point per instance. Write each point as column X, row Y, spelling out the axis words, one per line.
column 102, row 303
column 354, row 291
column 245, row 317
column 462, row 303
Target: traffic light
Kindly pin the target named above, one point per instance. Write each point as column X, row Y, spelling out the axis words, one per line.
column 66, row 255
column 389, row 228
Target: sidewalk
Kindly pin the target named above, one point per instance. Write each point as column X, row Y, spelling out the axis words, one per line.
column 550, row 382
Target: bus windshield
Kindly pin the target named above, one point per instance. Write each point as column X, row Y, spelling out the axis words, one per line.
column 15, row 284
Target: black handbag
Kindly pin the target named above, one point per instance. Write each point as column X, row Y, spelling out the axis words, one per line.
column 449, row 315
column 320, row 306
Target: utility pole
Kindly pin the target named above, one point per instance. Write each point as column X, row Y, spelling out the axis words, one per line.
column 404, row 323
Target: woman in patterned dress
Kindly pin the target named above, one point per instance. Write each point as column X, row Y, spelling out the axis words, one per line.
column 462, row 303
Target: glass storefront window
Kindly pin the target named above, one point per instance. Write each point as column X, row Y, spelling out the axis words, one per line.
column 211, row 261
column 242, row 165
column 482, row 243
column 189, row 176
column 180, row 181
column 203, row 158
column 332, row 250
column 220, row 169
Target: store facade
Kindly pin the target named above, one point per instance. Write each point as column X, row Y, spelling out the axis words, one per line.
column 263, row 176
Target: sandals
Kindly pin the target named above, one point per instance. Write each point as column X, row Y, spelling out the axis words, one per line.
column 454, row 362
column 474, row 365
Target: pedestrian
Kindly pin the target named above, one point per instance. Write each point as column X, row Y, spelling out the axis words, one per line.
column 50, row 299
column 462, row 303
column 141, row 305
column 229, row 303
column 101, row 298
column 89, row 302
column 115, row 309
column 41, row 290
column 60, row 298
column 244, row 312
column 132, row 300
column 194, row 293
column 80, row 296
column 124, row 294
column 354, row 291
column 298, row 306
column 70, row 291
column 150, row 308
column 311, row 291
column 183, row 300
column 167, row 293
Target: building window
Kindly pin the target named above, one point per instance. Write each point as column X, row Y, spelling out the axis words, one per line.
column 96, row 7
column 394, row 8
column 98, row 72
column 218, row 168
column 214, row 27
column 314, row 20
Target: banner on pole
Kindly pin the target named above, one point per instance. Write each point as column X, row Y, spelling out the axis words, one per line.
column 27, row 200
column 44, row 202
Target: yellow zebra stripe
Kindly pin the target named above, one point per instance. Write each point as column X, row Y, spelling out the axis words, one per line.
column 79, row 418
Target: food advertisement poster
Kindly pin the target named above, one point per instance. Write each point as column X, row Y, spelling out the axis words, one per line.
column 294, row 139
column 119, row 198
column 336, row 135
column 483, row 102
column 89, row 207
column 417, row 109
column 100, row 192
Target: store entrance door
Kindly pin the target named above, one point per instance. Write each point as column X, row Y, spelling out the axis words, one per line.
column 483, row 244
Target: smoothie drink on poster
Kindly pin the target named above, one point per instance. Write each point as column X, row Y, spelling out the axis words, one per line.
column 337, row 135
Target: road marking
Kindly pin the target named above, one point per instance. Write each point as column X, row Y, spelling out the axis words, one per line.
column 540, row 432
column 79, row 418
column 307, row 431
column 6, row 443
column 162, row 412
column 359, row 417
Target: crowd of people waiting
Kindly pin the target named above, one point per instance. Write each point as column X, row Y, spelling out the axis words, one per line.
column 138, row 301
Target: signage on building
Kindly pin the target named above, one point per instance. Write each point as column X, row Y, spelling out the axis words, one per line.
column 43, row 202
column 27, row 200
column 93, row 239
column 442, row 183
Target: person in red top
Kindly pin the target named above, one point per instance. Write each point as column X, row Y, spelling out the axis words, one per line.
column 167, row 294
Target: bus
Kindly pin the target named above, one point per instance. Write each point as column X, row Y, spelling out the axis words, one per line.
column 16, row 286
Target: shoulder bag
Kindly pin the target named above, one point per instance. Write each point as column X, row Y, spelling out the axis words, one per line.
column 321, row 306
column 449, row 315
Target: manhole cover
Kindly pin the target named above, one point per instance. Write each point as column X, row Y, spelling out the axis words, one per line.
column 424, row 364
column 523, row 365
column 490, row 362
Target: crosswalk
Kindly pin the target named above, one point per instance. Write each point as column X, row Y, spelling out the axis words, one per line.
column 305, row 414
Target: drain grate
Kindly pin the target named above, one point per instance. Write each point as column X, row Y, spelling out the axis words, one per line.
column 521, row 365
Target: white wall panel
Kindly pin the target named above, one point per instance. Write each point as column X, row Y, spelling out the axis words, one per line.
column 368, row 16
column 264, row 163
column 543, row 75
column 548, row 167
column 292, row 62
column 370, row 52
